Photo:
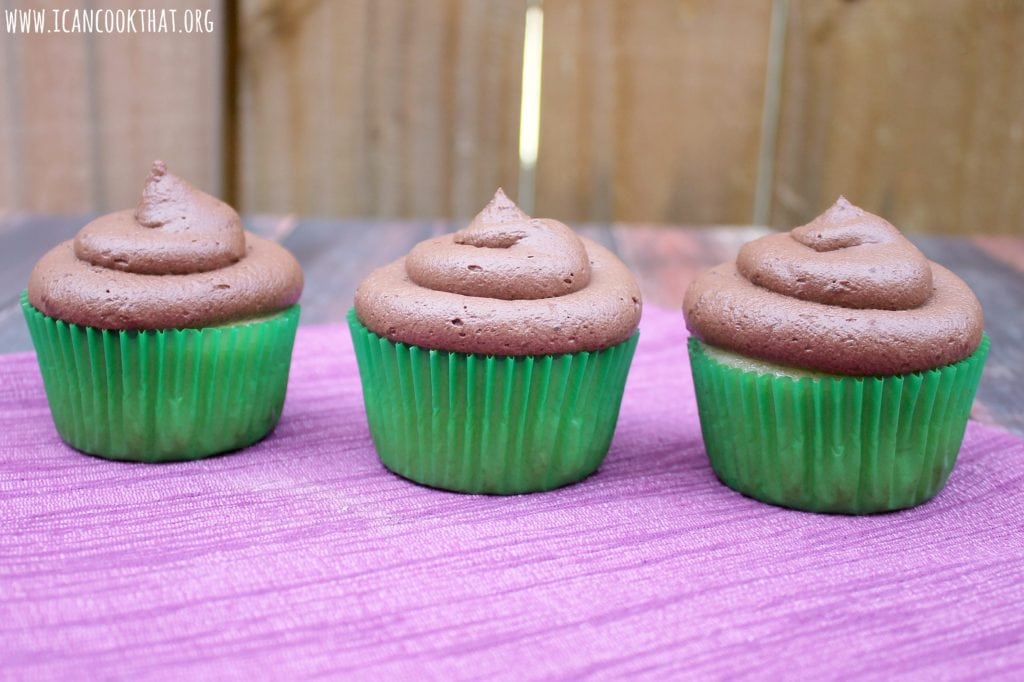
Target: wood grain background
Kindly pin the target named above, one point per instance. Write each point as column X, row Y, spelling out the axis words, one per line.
column 651, row 110
column 84, row 115
column 913, row 108
column 383, row 108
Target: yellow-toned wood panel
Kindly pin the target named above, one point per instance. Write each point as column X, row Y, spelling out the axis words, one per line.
column 48, row 110
column 159, row 96
column 651, row 109
column 379, row 108
column 84, row 114
column 8, row 141
column 914, row 110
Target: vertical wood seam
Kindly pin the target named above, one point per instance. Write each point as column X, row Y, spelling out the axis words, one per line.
column 770, row 113
column 98, row 187
column 14, row 120
column 230, row 65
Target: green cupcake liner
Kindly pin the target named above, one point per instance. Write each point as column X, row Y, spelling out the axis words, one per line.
column 490, row 424
column 164, row 395
column 849, row 445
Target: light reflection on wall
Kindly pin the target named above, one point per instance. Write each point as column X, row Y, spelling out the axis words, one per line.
column 529, row 112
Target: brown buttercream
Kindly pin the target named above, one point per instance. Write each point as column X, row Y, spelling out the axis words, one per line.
column 505, row 285
column 180, row 259
column 844, row 294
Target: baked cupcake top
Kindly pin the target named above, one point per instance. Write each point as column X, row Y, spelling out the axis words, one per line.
column 843, row 294
column 180, row 259
column 507, row 284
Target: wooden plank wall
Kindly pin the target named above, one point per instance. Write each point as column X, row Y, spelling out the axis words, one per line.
column 379, row 107
column 84, row 115
column 913, row 108
column 651, row 110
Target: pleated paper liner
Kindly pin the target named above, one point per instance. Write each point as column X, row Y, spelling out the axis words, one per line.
column 164, row 395
column 849, row 445
column 490, row 424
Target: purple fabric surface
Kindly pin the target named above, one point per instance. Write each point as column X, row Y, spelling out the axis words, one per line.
column 301, row 556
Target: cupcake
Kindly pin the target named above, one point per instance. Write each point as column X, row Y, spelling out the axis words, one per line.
column 493, row 360
column 834, row 366
column 164, row 332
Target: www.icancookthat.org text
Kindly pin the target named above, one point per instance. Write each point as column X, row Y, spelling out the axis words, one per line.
column 108, row 20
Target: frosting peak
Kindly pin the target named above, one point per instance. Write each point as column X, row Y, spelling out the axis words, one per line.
column 845, row 257
column 503, row 254
column 846, row 293
column 499, row 211
column 175, row 230
column 844, row 225
column 507, row 284
column 500, row 225
column 164, row 198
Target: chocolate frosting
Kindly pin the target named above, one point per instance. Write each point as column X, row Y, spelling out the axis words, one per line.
column 844, row 294
column 505, row 285
column 180, row 259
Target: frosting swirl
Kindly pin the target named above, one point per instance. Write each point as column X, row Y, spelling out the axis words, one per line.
column 187, row 231
column 515, row 257
column 180, row 259
column 845, row 294
column 507, row 284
